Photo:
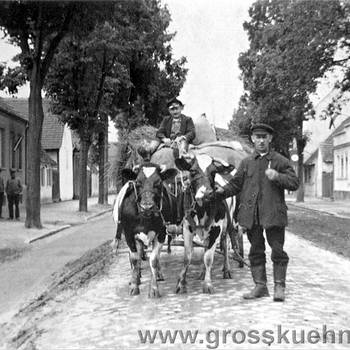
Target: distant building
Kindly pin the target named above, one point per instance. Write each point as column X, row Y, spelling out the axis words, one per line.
column 56, row 141
column 341, row 154
column 13, row 136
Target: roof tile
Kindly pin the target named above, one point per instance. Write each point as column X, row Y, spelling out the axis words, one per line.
column 53, row 128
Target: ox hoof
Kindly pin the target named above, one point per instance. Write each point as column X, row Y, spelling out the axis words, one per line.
column 153, row 293
column 227, row 275
column 181, row 288
column 169, row 250
column 134, row 290
column 208, row 288
column 240, row 264
column 160, row 276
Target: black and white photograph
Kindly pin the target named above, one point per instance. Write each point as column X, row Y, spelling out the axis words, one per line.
column 174, row 174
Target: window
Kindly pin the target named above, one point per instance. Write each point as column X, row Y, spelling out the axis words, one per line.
column 13, row 152
column 308, row 170
column 341, row 166
column 346, row 166
column 338, row 166
column 2, row 148
column 42, row 176
column 18, row 151
column 49, row 176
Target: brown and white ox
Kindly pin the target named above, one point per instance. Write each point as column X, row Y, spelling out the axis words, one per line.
column 142, row 213
column 207, row 220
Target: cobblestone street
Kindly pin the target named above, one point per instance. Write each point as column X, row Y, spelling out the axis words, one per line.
column 104, row 316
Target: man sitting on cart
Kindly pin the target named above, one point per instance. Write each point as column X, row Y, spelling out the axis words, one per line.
column 176, row 130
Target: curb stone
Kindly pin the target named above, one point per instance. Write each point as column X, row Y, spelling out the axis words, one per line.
column 325, row 211
column 64, row 227
column 98, row 214
column 47, row 234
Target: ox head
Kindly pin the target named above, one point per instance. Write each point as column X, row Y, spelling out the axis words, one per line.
column 148, row 179
column 202, row 169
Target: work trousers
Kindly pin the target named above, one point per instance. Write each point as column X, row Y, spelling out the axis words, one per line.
column 13, row 200
column 1, row 202
column 275, row 237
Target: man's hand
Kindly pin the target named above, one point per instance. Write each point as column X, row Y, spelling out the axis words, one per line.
column 271, row 174
column 180, row 138
column 166, row 141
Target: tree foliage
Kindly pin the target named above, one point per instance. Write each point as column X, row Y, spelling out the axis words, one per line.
column 292, row 45
column 36, row 28
column 112, row 68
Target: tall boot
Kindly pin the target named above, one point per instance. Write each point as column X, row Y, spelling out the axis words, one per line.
column 279, row 275
column 259, row 277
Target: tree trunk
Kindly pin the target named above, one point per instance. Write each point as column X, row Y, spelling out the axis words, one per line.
column 36, row 116
column 83, row 160
column 107, row 165
column 300, row 148
column 101, row 168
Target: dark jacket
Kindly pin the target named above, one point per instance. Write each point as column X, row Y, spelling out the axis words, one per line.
column 258, row 192
column 186, row 128
column 2, row 186
column 13, row 186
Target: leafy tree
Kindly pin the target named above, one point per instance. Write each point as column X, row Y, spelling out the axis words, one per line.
column 37, row 28
column 77, row 82
column 155, row 76
column 292, row 45
column 110, row 69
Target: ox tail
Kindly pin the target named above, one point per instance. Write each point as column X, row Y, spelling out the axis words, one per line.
column 232, row 230
column 116, row 215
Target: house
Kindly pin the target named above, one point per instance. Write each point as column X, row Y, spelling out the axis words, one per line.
column 56, row 141
column 326, row 170
column 13, row 136
column 318, row 153
column 47, row 168
column 318, row 171
column 341, row 158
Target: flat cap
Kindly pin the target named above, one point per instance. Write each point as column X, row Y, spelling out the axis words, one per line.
column 174, row 100
column 262, row 126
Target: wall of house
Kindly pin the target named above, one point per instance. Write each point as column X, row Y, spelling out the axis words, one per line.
column 311, row 183
column 12, row 130
column 342, row 172
column 94, row 184
column 342, row 163
column 66, row 165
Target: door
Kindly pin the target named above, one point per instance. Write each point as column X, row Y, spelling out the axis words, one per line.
column 327, row 185
column 55, row 186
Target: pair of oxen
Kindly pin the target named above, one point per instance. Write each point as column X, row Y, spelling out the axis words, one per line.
column 146, row 209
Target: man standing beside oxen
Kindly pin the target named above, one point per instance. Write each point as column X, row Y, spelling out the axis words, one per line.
column 261, row 180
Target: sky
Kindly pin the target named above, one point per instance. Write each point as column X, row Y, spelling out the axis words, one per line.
column 210, row 35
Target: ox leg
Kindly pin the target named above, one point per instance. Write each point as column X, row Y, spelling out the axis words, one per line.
column 208, row 262
column 202, row 268
column 159, row 275
column 135, row 262
column 225, row 247
column 188, row 241
column 240, row 245
column 169, row 244
column 155, row 269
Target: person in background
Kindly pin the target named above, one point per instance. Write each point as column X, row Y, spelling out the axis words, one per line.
column 176, row 130
column 261, row 180
column 13, row 191
column 2, row 193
